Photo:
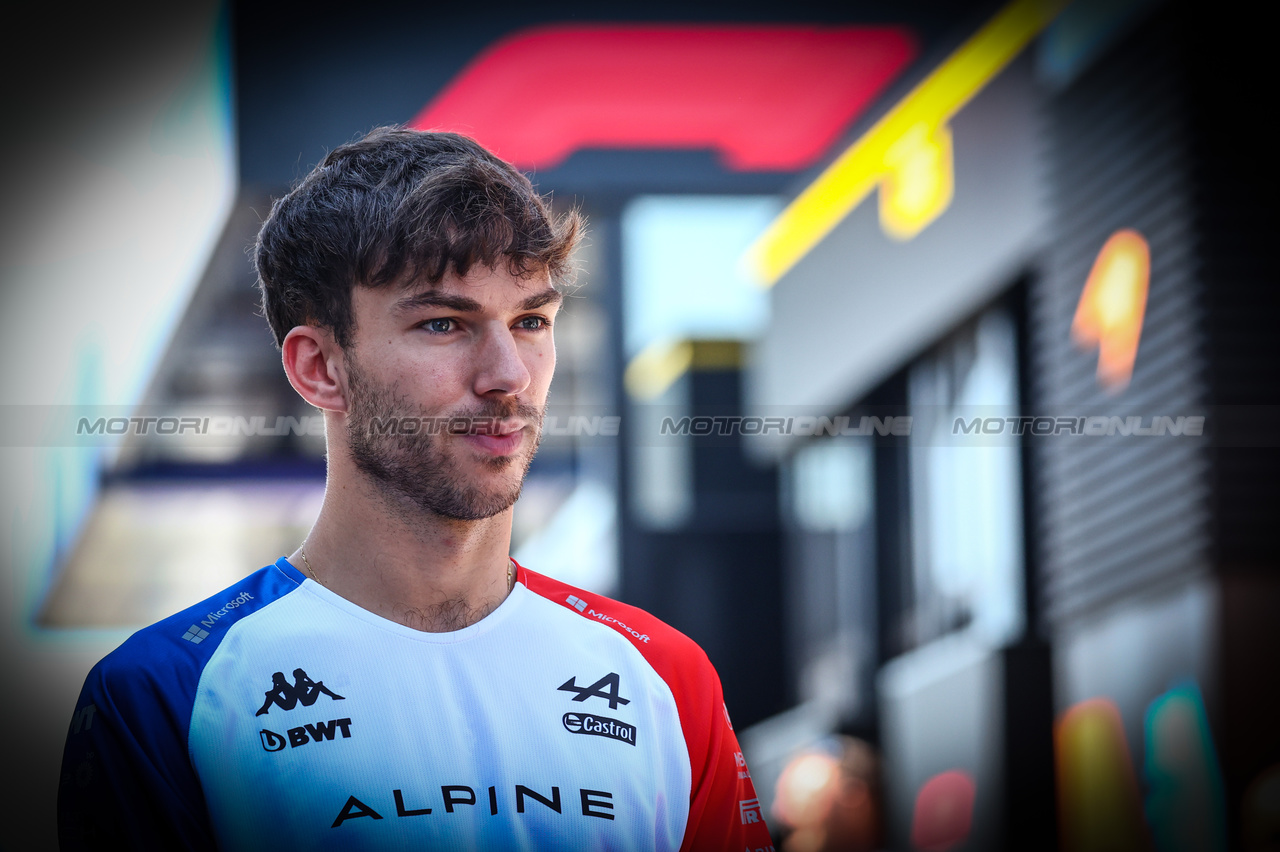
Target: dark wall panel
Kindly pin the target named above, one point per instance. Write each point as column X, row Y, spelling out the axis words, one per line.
column 1120, row 517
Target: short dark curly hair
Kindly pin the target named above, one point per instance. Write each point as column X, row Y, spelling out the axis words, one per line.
column 401, row 206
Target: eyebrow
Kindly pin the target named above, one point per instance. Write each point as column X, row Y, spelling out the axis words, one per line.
column 463, row 304
column 432, row 299
column 548, row 296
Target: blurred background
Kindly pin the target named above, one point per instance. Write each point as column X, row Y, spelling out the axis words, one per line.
column 920, row 371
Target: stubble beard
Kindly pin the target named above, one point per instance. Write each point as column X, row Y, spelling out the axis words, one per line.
column 415, row 469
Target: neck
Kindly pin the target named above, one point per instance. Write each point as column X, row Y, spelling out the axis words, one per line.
column 405, row 564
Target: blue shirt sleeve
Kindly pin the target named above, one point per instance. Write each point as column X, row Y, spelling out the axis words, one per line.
column 127, row 780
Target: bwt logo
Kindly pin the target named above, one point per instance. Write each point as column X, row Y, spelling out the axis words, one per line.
column 303, row 734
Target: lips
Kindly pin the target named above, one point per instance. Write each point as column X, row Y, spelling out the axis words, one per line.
column 497, row 439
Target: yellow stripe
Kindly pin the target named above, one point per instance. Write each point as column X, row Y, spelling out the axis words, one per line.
column 851, row 178
column 656, row 368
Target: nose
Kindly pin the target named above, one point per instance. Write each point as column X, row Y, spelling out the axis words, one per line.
column 500, row 367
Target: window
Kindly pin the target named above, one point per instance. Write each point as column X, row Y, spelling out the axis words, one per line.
column 965, row 502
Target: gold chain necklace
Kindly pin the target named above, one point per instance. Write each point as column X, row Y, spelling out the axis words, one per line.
column 302, row 551
column 305, row 561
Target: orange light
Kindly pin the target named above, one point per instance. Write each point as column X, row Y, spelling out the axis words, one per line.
column 1112, row 306
column 805, row 789
column 1099, row 805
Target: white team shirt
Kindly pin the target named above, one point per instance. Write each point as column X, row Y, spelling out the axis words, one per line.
column 279, row 715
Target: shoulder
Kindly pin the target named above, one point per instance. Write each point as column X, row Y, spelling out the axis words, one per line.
column 165, row 660
column 674, row 656
column 127, row 779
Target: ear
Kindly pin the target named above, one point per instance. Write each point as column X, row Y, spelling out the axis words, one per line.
column 314, row 364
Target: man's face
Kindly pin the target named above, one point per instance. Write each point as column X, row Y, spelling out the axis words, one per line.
column 462, row 370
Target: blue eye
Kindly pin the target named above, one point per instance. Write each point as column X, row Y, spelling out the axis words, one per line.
column 533, row 323
column 439, row 326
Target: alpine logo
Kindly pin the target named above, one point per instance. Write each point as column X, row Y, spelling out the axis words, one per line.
column 466, row 799
column 599, row 726
column 597, row 690
column 576, row 602
column 303, row 734
column 303, row 690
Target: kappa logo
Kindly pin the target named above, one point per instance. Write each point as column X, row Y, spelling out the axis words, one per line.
column 303, row 690
column 596, row 690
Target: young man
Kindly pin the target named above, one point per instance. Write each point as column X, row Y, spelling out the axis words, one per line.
column 439, row 696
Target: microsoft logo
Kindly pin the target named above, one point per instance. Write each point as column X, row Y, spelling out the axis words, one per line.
column 195, row 635
column 576, row 602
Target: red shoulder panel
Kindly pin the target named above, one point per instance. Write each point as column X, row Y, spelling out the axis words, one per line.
column 724, row 812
